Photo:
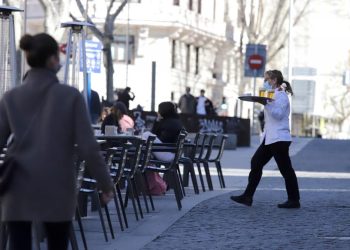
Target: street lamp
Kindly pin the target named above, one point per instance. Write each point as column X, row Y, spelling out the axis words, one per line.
column 76, row 55
column 8, row 65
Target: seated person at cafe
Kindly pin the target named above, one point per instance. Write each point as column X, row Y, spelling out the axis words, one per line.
column 167, row 129
column 118, row 117
column 168, row 125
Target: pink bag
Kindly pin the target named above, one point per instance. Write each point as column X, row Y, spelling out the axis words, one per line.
column 156, row 185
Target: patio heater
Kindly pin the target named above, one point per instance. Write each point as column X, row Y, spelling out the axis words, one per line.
column 8, row 65
column 76, row 55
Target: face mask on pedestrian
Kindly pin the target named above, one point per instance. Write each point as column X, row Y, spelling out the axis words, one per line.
column 267, row 85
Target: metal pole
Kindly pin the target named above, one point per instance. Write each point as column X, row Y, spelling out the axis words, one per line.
column 23, row 68
column 84, row 65
column 127, row 48
column 254, row 91
column 290, row 52
column 13, row 52
column 153, row 95
column 68, row 52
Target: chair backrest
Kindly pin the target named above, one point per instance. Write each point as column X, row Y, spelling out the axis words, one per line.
column 202, row 146
column 209, row 146
column 147, row 152
column 178, row 149
column 196, row 146
column 221, row 147
column 136, row 157
column 120, row 154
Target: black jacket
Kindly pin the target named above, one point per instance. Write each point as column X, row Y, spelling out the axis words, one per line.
column 167, row 129
column 109, row 120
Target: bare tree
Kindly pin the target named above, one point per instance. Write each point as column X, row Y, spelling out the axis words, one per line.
column 265, row 24
column 341, row 106
column 55, row 11
column 105, row 35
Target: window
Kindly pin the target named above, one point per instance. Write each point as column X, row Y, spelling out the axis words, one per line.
column 173, row 54
column 190, row 4
column 199, row 7
column 176, row 2
column 124, row 48
column 197, row 61
column 188, row 57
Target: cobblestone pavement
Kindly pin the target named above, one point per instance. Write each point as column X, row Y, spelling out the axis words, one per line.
column 323, row 222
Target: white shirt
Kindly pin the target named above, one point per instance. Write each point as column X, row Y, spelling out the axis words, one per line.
column 201, row 105
column 276, row 115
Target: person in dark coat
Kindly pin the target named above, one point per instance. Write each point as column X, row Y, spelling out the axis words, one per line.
column 95, row 107
column 168, row 126
column 126, row 96
column 50, row 123
column 187, row 103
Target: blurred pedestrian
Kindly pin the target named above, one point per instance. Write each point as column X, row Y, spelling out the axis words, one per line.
column 118, row 117
column 187, row 102
column 45, row 129
column 126, row 96
column 95, row 107
column 204, row 105
column 276, row 140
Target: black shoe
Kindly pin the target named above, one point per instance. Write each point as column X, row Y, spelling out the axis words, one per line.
column 289, row 204
column 242, row 199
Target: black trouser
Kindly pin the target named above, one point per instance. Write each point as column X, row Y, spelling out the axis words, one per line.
column 280, row 151
column 20, row 235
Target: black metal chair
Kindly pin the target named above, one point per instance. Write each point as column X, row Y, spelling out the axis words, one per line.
column 217, row 160
column 129, row 174
column 116, row 160
column 145, row 158
column 171, row 168
column 203, row 158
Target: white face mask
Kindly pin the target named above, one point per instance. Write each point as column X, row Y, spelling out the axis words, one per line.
column 267, row 85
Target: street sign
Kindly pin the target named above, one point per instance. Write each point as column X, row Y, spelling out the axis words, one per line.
column 93, row 57
column 255, row 60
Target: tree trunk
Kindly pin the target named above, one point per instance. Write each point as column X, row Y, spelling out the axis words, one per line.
column 107, row 53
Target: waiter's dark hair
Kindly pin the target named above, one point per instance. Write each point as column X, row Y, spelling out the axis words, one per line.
column 276, row 74
column 38, row 48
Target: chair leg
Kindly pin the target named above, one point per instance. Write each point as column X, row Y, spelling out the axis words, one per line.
column 193, row 178
column 148, row 191
column 80, row 224
column 180, row 181
column 219, row 174
column 130, row 189
column 72, row 238
column 185, row 175
column 200, row 175
column 176, row 189
column 218, row 166
column 118, row 209
column 96, row 195
column 143, row 189
column 109, row 220
column 133, row 183
column 207, row 174
column 120, row 198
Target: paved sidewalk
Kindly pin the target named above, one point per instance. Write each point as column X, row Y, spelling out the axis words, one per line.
column 322, row 222
column 211, row 220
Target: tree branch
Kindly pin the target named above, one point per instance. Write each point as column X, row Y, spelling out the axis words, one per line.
column 94, row 29
column 120, row 8
column 110, row 7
